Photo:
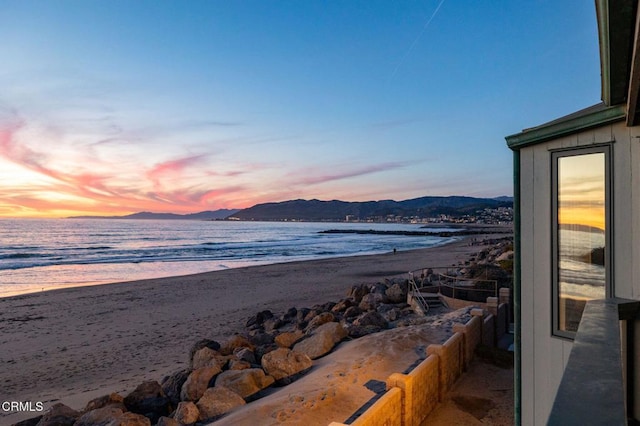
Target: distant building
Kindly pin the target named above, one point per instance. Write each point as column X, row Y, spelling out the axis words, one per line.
column 577, row 239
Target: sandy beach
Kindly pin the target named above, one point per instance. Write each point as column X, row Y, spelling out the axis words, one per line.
column 76, row 344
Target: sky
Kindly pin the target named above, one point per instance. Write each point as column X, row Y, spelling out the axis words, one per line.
column 111, row 107
column 581, row 190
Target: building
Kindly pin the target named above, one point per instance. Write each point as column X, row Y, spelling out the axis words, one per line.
column 577, row 232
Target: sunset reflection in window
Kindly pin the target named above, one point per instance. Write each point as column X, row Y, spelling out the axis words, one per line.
column 581, row 216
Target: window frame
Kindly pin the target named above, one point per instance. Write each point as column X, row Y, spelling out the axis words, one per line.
column 556, row 155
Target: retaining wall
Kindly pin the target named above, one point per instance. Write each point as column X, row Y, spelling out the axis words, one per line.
column 410, row 398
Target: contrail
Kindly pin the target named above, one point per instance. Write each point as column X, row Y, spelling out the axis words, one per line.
column 433, row 15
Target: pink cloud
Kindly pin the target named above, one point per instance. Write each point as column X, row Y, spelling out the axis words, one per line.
column 362, row 171
column 173, row 166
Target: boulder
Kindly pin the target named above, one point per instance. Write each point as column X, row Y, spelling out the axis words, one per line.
column 342, row 305
column 390, row 314
column 323, row 339
column 326, row 307
column 488, row 272
column 372, row 319
column 245, row 382
column 236, row 364
column 236, row 341
column 246, row 354
column 167, row 421
column 378, row 288
column 217, row 401
column 352, row 311
column 289, row 338
column 507, row 255
column 149, row 400
column 198, row 382
column 186, row 413
column 130, row 419
column 285, row 365
column 265, row 349
column 33, row 421
column 204, row 343
column 397, row 293
column 313, row 312
column 206, row 357
column 59, row 415
column 290, row 315
column 99, row 417
column 257, row 338
column 302, row 314
column 318, row 320
column 357, row 292
column 259, row 318
column 112, row 399
column 371, row 301
column 273, row 324
column 172, row 385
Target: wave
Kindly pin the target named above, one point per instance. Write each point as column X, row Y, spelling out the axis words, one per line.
column 114, row 253
column 21, row 255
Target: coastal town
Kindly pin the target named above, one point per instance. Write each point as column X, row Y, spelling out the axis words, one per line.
column 487, row 216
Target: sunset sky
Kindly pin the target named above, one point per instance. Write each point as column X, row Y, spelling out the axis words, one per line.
column 581, row 190
column 113, row 107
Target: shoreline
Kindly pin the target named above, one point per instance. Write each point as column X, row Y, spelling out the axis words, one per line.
column 74, row 275
column 242, row 265
column 74, row 344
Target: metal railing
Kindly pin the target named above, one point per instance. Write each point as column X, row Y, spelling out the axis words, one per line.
column 417, row 295
column 446, row 281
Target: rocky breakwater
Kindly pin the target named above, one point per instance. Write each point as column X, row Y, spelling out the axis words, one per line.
column 272, row 351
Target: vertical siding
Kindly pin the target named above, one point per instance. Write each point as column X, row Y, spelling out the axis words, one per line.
column 634, row 200
column 527, row 191
column 544, row 349
column 622, row 225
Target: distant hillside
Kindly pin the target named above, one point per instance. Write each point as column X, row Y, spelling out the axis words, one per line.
column 504, row 198
column 206, row 215
column 316, row 210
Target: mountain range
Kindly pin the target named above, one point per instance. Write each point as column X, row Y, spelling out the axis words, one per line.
column 336, row 210
column 206, row 215
column 316, row 210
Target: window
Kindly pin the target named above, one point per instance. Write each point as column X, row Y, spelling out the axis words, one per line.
column 581, row 242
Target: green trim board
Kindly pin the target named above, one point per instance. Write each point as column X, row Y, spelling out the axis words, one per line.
column 517, row 310
column 595, row 116
column 602, row 17
column 617, row 36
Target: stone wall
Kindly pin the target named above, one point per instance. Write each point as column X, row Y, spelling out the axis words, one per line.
column 386, row 411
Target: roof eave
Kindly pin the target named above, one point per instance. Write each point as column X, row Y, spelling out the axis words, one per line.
column 562, row 127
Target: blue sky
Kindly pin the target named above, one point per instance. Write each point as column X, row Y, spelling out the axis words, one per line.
column 122, row 106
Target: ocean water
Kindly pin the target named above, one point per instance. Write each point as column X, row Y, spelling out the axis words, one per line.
column 578, row 278
column 43, row 254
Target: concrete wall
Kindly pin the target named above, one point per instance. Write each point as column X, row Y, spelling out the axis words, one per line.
column 410, row 398
column 544, row 356
column 489, row 331
column 472, row 335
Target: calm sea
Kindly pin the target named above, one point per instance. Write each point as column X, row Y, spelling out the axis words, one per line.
column 37, row 254
column 579, row 278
